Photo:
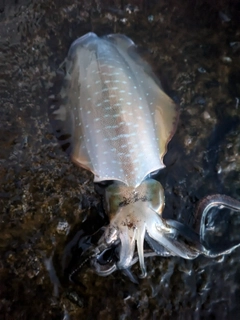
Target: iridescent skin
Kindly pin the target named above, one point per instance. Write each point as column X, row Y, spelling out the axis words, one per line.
column 119, row 119
column 116, row 121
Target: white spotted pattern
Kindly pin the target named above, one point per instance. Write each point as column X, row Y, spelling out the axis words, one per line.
column 121, row 134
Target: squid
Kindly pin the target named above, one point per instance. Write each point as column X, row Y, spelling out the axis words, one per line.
column 115, row 120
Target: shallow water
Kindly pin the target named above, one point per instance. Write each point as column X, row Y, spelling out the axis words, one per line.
column 44, row 197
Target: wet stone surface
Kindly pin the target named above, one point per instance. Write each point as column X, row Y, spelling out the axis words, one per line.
column 44, row 198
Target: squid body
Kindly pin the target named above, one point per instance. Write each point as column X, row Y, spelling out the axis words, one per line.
column 115, row 120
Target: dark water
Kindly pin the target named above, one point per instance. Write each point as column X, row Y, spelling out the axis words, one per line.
column 44, row 198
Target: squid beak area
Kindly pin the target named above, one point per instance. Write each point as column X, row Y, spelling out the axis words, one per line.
column 102, row 259
column 105, row 260
column 78, row 264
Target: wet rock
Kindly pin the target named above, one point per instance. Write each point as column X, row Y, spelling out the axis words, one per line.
column 234, row 83
column 42, row 194
column 201, row 70
column 199, row 100
column 63, row 227
column 226, row 60
column 235, row 46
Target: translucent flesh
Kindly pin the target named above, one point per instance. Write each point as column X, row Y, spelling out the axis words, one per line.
column 112, row 106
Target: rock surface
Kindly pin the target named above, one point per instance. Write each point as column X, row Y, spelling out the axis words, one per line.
column 44, row 197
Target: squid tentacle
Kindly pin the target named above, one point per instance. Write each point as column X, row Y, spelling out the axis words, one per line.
column 93, row 255
column 157, row 248
column 162, row 236
column 215, row 200
column 85, row 258
column 201, row 213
